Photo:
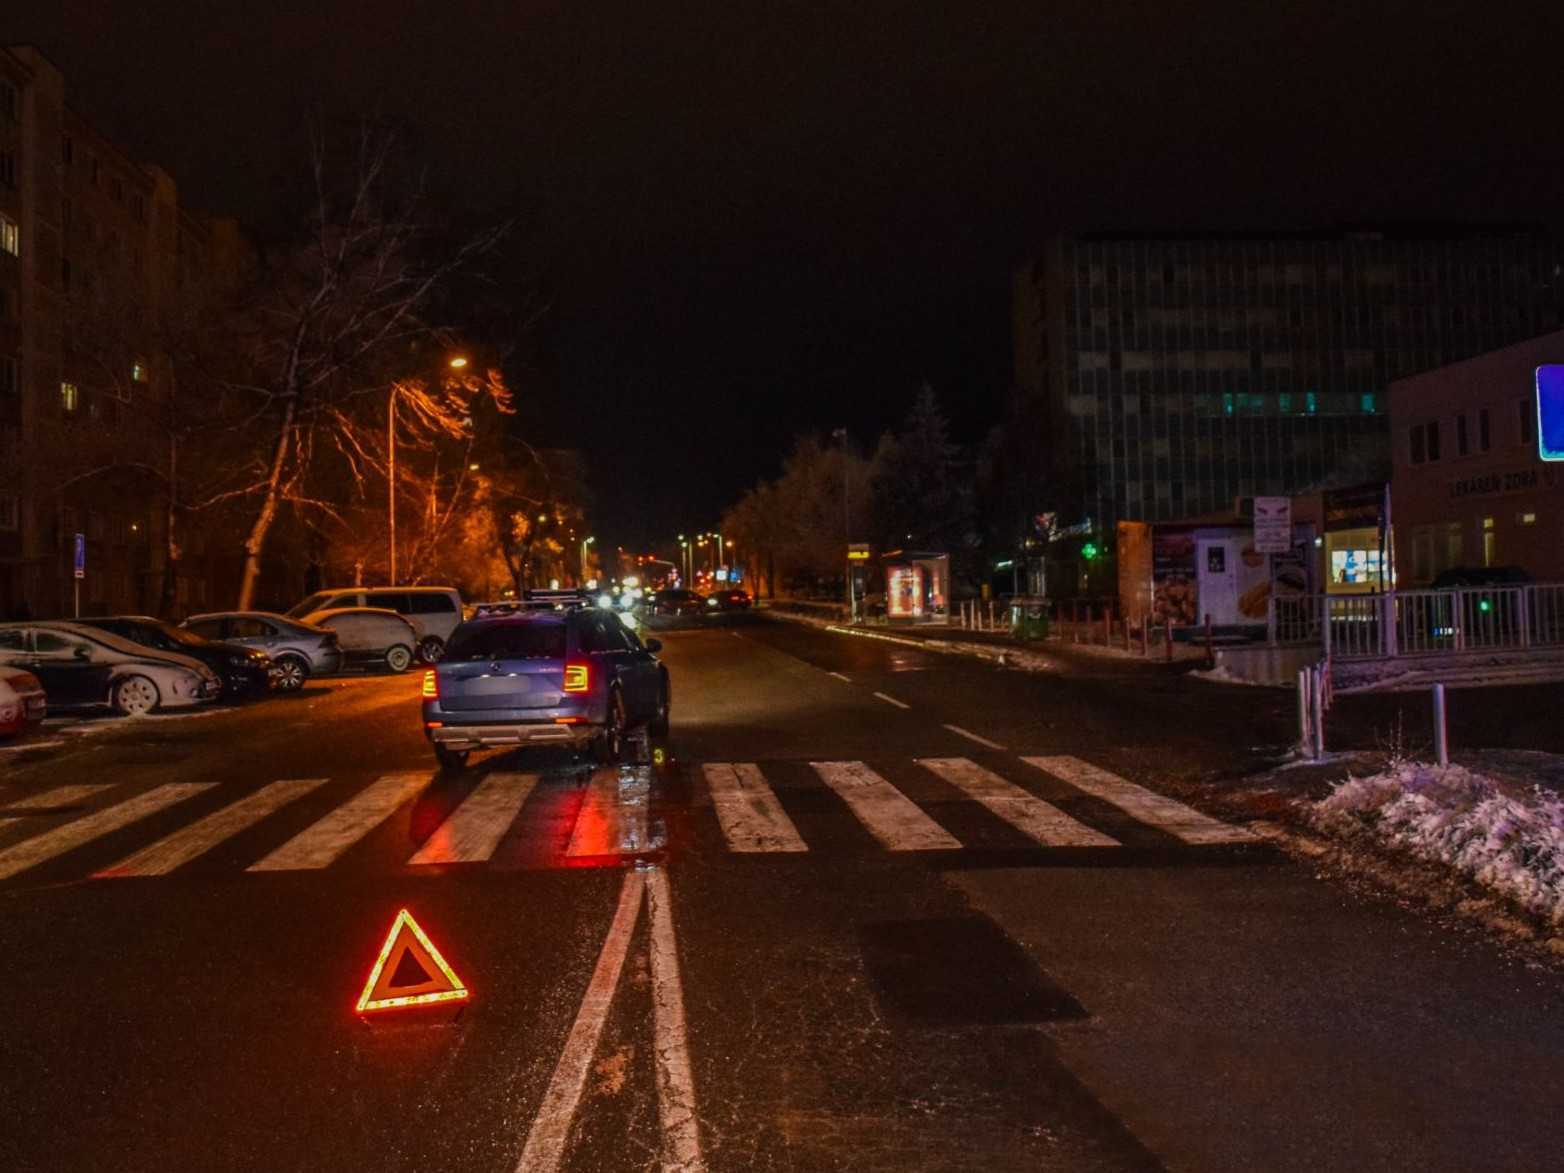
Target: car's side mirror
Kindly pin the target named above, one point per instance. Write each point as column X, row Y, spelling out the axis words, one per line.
column 654, row 646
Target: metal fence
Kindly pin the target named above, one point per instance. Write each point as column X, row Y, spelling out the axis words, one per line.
column 1409, row 623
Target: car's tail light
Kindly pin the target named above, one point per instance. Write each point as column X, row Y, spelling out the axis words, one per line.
column 431, row 683
column 577, row 678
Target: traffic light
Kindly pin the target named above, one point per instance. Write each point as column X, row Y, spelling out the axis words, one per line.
column 1089, row 551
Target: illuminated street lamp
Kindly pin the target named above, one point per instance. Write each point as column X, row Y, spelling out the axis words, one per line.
column 585, row 542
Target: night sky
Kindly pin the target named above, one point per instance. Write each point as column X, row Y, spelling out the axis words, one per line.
column 753, row 219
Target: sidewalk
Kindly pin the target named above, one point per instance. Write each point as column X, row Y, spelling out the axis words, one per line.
column 1000, row 647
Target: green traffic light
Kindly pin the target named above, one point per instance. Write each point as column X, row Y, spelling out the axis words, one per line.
column 1089, row 551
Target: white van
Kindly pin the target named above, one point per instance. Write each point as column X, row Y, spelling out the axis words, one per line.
column 433, row 611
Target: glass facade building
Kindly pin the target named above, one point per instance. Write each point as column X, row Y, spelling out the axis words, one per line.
column 1175, row 374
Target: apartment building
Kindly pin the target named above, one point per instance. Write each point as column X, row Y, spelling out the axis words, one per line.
column 96, row 255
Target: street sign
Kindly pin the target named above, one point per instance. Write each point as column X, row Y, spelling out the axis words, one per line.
column 1272, row 525
column 858, row 552
column 1550, row 412
column 81, row 556
column 409, row 972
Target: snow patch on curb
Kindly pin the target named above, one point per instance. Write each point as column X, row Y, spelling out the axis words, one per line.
column 1511, row 845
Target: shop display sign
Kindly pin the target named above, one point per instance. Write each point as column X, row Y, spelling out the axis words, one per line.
column 1550, row 412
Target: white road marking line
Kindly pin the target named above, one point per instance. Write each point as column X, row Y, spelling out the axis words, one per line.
column 168, row 853
column 321, row 843
column 970, row 736
column 752, row 819
column 613, row 816
column 474, row 829
column 890, row 700
column 59, row 796
column 675, row 1082
column 890, row 816
column 1154, row 809
column 27, row 745
column 1039, row 820
column 840, row 677
column 545, row 1147
column 36, row 850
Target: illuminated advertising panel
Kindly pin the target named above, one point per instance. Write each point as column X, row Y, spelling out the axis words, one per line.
column 1550, row 412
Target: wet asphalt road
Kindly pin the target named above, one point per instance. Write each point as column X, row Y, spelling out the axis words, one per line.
column 882, row 972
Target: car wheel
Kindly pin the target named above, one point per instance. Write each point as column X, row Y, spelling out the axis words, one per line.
column 399, row 658
column 430, row 649
column 451, row 759
column 610, row 744
column 135, row 696
column 658, row 725
column 292, row 672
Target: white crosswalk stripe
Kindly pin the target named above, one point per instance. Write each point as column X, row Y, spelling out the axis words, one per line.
column 31, row 852
column 1038, row 820
column 60, row 796
column 614, row 817
column 320, row 844
column 747, row 808
column 199, row 837
column 475, row 828
column 888, row 814
column 1156, row 810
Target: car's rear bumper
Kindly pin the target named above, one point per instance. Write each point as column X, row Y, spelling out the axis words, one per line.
column 461, row 737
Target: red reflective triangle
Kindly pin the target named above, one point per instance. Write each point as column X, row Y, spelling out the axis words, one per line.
column 407, row 939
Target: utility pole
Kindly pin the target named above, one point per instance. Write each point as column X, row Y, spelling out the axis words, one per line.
column 391, row 481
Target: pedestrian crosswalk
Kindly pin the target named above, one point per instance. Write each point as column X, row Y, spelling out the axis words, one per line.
column 755, row 808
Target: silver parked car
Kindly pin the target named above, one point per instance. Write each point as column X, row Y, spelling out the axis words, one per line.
column 433, row 610
column 80, row 665
column 371, row 637
column 298, row 650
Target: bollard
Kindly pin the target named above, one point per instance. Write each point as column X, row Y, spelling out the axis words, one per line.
column 1317, row 704
column 991, row 614
column 1441, row 734
column 1305, row 734
column 1210, row 654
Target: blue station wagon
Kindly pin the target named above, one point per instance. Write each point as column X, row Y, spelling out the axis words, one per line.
column 571, row 676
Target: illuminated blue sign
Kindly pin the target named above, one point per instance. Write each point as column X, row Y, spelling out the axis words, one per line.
column 1550, row 412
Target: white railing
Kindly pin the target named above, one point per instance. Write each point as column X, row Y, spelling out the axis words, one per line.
column 1397, row 623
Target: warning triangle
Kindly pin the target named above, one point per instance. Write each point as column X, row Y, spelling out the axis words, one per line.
column 409, row 971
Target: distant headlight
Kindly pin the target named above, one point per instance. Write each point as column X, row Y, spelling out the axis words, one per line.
column 605, row 600
column 711, row 602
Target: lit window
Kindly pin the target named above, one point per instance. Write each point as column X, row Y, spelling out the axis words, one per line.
column 70, row 397
column 1367, row 402
column 1311, row 402
column 1527, row 519
column 1489, row 538
column 138, row 372
column 10, row 236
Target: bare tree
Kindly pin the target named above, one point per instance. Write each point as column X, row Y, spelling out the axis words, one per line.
column 324, row 323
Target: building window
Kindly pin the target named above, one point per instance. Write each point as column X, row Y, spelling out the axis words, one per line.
column 1526, row 518
column 70, row 398
column 10, row 513
column 1524, row 409
column 1431, row 430
column 1489, row 538
column 1482, row 429
column 1415, row 442
column 1461, row 446
column 10, row 236
column 8, row 168
column 1455, row 544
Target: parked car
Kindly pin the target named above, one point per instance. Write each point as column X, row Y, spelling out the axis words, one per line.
column 80, row 665
column 297, row 650
column 245, row 672
column 22, row 702
column 578, row 677
column 676, row 601
column 371, row 637
column 434, row 611
column 732, row 599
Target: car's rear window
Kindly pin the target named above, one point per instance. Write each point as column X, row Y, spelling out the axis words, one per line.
column 507, row 641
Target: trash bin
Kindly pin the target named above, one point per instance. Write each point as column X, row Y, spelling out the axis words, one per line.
column 1028, row 617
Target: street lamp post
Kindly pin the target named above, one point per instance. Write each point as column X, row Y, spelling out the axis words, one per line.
column 585, row 542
